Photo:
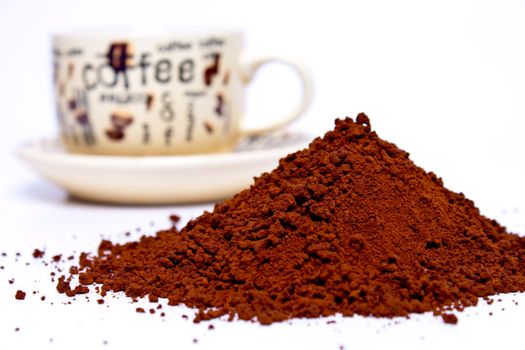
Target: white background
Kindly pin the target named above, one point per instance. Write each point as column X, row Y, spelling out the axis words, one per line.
column 444, row 80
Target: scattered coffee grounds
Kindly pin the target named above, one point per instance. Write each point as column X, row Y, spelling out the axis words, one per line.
column 450, row 318
column 37, row 253
column 349, row 225
column 174, row 218
column 140, row 310
column 20, row 295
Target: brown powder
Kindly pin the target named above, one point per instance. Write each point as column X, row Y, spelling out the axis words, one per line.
column 37, row 253
column 349, row 225
column 450, row 318
column 20, row 295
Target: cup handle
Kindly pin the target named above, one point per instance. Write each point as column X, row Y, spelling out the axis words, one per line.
column 248, row 69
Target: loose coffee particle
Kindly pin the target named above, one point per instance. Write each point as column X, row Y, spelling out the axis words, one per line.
column 20, row 295
column 81, row 290
column 140, row 310
column 174, row 218
column 37, row 253
column 349, row 225
column 11, row 281
column 450, row 318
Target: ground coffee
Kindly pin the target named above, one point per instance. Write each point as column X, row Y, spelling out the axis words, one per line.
column 349, row 225
column 20, row 295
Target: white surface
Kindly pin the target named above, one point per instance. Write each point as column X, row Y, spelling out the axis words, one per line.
column 160, row 179
column 444, row 80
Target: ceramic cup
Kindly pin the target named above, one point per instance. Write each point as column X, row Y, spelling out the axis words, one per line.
column 157, row 93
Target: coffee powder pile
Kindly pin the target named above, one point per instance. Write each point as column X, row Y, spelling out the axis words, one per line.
column 349, row 225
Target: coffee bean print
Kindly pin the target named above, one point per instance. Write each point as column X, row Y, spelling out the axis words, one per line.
column 213, row 69
column 72, row 104
column 82, row 118
column 115, row 134
column 119, row 56
column 119, row 122
column 208, row 127
column 149, row 101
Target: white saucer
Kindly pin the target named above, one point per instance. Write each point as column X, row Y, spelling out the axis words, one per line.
column 160, row 179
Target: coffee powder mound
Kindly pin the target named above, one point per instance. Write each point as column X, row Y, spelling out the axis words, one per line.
column 349, row 225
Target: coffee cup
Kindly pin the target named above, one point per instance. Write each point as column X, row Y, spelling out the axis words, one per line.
column 162, row 93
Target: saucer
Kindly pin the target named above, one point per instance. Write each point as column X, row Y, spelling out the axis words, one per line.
column 160, row 179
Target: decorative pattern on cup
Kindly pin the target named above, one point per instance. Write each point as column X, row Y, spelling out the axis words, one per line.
column 212, row 70
column 119, row 122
